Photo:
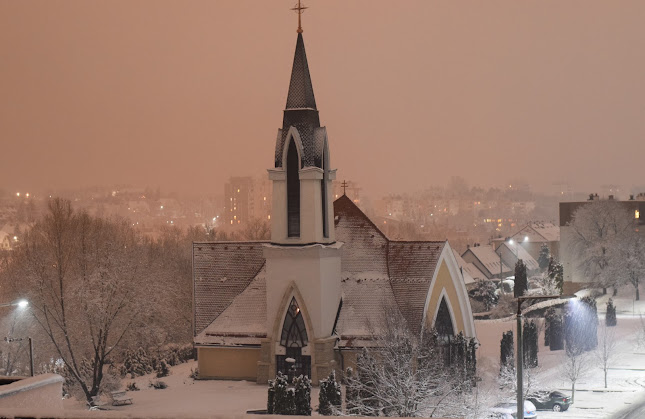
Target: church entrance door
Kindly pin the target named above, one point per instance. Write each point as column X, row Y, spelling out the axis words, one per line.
column 294, row 337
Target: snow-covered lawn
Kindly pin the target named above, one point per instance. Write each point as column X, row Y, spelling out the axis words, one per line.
column 626, row 378
column 186, row 397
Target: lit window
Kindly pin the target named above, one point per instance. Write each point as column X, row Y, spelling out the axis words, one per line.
column 235, row 217
column 268, row 217
column 238, row 221
column 637, row 214
column 238, row 191
column 231, row 221
column 265, row 198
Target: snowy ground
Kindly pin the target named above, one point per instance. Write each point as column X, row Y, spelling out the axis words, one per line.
column 187, row 397
column 626, row 378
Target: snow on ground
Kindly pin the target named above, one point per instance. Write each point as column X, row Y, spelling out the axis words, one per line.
column 626, row 378
column 186, row 397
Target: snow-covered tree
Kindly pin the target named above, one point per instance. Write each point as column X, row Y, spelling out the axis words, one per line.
column 406, row 375
column 329, row 398
column 543, row 259
column 530, row 344
column 576, row 365
column 507, row 351
column 627, row 260
column 84, row 278
column 598, row 227
column 555, row 272
column 302, row 385
column 521, row 280
column 484, row 291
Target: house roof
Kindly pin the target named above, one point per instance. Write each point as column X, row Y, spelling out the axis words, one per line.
column 539, row 232
column 517, row 251
column 468, row 270
column 487, row 257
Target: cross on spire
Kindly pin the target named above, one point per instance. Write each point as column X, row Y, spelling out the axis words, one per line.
column 344, row 186
column 299, row 8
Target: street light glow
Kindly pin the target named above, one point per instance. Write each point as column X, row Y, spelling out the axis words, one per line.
column 23, row 303
column 511, row 242
column 526, row 239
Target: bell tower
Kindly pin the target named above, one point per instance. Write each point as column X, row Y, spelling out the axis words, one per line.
column 303, row 274
column 302, row 204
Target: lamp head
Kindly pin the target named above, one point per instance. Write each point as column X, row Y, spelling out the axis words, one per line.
column 23, row 303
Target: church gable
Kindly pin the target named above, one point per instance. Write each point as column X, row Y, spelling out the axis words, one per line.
column 411, row 268
column 221, row 271
column 364, row 252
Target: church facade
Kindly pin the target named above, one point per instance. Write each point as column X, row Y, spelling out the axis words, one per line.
column 306, row 300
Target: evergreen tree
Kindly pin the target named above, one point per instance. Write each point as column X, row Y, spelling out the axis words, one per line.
column 556, row 273
column 329, row 400
column 283, row 402
column 271, row 397
column 485, row 291
column 610, row 317
column 530, row 344
column 507, row 351
column 163, row 369
column 521, row 280
column 549, row 315
column 544, row 258
column 303, row 395
column 556, row 333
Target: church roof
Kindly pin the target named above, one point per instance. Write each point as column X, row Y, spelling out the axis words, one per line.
column 221, row 271
column 375, row 271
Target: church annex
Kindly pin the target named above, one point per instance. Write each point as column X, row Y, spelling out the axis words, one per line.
column 305, row 298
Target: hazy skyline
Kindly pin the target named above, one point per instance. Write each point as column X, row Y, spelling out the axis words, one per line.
column 182, row 95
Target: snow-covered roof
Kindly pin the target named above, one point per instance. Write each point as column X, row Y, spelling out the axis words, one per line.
column 230, row 286
column 539, row 232
column 468, row 270
column 487, row 257
column 510, row 254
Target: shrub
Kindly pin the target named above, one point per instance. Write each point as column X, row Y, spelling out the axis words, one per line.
column 132, row 387
column 303, row 395
column 329, row 399
column 610, row 317
column 163, row 369
column 283, row 402
column 271, row 397
column 158, row 385
column 506, row 351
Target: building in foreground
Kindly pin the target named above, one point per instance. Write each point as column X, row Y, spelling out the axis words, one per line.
column 310, row 298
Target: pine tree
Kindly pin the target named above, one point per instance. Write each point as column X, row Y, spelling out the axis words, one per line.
column 610, row 317
column 549, row 315
column 329, row 400
column 521, row 281
column 556, row 333
column 283, row 403
column 530, row 344
column 556, row 272
column 507, row 351
column 544, row 258
column 303, row 395
column 271, row 397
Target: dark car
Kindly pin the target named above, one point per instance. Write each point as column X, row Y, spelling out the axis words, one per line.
column 556, row 401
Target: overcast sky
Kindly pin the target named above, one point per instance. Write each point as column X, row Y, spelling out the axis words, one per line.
column 183, row 94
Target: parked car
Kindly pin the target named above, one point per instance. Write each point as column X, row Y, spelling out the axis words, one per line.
column 554, row 400
column 508, row 410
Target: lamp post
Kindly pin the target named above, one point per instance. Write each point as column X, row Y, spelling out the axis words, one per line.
column 520, row 346
column 22, row 304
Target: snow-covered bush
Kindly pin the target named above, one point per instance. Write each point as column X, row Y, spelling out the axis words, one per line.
column 484, row 291
column 530, row 344
column 158, row 385
column 302, row 386
column 270, row 397
column 163, row 369
column 329, row 399
column 506, row 351
column 132, row 387
column 284, row 401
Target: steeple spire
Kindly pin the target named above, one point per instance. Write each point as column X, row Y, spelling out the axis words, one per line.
column 301, row 91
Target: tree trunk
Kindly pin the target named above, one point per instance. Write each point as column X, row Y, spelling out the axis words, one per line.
column 573, row 391
column 605, row 377
column 638, row 295
column 615, row 291
column 604, row 291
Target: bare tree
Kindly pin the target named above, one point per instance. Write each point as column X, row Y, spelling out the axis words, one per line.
column 597, row 228
column 576, row 366
column 84, row 276
column 256, row 229
column 406, row 375
column 606, row 351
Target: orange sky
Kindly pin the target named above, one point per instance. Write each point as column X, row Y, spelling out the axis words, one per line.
column 182, row 94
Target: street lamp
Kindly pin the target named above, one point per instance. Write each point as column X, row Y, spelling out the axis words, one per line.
column 520, row 346
column 22, row 304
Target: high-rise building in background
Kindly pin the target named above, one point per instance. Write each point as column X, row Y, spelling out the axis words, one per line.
column 245, row 198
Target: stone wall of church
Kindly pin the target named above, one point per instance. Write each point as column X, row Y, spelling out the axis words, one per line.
column 228, row 363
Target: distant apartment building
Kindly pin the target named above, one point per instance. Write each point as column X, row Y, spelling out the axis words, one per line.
column 635, row 205
column 245, row 198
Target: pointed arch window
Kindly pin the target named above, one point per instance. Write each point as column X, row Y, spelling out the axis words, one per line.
column 293, row 190
column 323, row 191
column 294, row 333
column 443, row 323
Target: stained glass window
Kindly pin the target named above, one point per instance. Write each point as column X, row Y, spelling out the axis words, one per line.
column 294, row 333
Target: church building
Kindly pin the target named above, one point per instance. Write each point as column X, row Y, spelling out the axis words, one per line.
column 304, row 300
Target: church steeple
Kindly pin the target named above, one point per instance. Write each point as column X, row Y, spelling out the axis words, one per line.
column 302, row 204
column 301, row 91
